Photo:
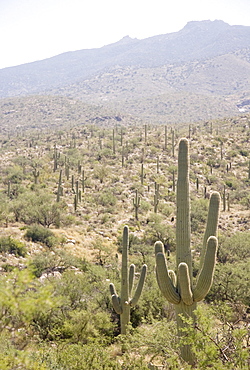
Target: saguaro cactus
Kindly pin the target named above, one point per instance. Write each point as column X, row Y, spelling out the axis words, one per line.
column 36, row 175
column 123, row 303
column 180, row 290
column 136, row 204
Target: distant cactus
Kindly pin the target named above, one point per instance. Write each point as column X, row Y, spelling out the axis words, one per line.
column 79, row 167
column 56, row 156
column 83, row 181
column 9, row 188
column 124, row 302
column 157, row 165
column 36, row 175
column 142, row 173
column 59, row 188
column 173, row 142
column 136, row 203
column 156, row 197
column 180, row 290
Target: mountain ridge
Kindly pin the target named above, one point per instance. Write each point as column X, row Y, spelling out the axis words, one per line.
column 176, row 47
column 209, row 60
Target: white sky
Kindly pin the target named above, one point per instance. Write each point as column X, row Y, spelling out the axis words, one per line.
column 37, row 29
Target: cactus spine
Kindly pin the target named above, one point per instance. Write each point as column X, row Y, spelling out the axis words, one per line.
column 123, row 303
column 180, row 289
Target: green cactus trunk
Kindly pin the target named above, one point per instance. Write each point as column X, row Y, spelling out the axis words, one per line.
column 180, row 290
column 125, row 315
column 123, row 303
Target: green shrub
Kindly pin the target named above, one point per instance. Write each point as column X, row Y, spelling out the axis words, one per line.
column 243, row 152
column 198, row 214
column 58, row 260
column 234, row 248
column 12, row 246
column 41, row 234
column 106, row 198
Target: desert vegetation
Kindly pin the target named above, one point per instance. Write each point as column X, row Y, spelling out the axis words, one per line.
column 67, row 194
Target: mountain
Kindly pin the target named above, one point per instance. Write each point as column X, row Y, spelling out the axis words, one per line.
column 199, row 72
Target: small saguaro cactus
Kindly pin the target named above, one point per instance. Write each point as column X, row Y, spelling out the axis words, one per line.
column 136, row 204
column 59, row 187
column 142, row 173
column 36, row 175
column 156, row 197
column 180, row 290
column 123, row 304
column 83, row 181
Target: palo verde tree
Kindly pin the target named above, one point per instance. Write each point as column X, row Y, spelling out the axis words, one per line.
column 178, row 288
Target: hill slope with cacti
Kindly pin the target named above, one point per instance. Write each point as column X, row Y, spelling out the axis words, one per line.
column 67, row 191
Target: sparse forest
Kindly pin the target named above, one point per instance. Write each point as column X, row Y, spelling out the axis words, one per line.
column 67, row 194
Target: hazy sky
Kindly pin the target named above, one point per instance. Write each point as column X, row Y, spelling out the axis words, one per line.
column 37, row 29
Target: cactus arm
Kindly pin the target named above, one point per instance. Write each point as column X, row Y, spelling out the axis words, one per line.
column 172, row 276
column 115, row 299
column 185, row 284
column 116, row 304
column 165, row 283
column 159, row 248
column 112, row 289
column 139, row 287
column 205, row 277
column 131, row 277
column 212, row 222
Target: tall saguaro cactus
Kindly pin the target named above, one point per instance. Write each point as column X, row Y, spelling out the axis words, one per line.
column 179, row 288
column 123, row 303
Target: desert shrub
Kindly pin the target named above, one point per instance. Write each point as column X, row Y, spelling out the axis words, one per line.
column 5, row 210
column 198, row 216
column 221, row 347
column 152, row 305
column 106, row 198
column 101, row 172
column 232, row 182
column 243, row 152
column 58, row 260
column 234, row 248
column 41, row 234
column 231, row 284
column 14, row 174
column 84, row 357
column 165, row 209
column 156, row 342
column 38, row 207
column 159, row 230
column 12, row 246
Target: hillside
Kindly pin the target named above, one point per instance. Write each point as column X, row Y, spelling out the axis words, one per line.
column 198, row 73
column 66, row 193
column 43, row 113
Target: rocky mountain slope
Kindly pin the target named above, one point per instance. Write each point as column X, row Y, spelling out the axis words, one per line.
column 198, row 73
